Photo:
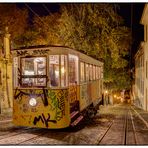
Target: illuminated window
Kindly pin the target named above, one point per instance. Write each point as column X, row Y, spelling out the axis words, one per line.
column 146, row 68
column 90, row 72
column 73, row 69
column 97, row 75
column 94, row 72
column 101, row 72
column 0, row 77
column 82, row 72
column 63, row 70
column 33, row 71
column 87, row 72
column 16, row 72
column 54, row 74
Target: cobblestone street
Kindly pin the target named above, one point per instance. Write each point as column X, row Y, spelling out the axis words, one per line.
column 113, row 125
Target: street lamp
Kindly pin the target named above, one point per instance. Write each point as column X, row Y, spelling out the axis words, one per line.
column 106, row 92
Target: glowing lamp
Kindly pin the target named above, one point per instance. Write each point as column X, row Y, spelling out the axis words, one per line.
column 32, row 102
column 115, row 96
column 62, row 70
column 106, row 91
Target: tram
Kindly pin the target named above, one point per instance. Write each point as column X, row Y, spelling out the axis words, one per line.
column 54, row 87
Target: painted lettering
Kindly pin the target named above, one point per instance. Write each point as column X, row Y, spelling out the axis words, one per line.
column 43, row 119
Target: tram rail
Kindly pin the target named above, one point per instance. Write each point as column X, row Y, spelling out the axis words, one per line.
column 140, row 117
column 134, row 129
column 126, row 128
column 105, row 133
column 128, row 134
column 130, row 131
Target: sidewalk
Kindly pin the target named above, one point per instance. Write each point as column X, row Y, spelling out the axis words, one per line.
column 5, row 116
column 6, row 122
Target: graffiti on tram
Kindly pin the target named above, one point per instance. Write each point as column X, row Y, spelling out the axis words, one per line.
column 51, row 102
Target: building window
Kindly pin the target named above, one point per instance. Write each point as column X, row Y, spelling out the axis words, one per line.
column 33, row 71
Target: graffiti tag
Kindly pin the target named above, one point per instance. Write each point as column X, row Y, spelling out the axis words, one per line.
column 43, row 119
column 73, row 93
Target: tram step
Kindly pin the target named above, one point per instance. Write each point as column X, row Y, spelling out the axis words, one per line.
column 77, row 120
column 73, row 114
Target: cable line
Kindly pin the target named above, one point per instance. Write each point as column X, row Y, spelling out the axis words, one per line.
column 46, row 9
column 34, row 13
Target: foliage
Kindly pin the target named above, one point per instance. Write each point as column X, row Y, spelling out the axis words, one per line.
column 14, row 18
column 98, row 30
column 95, row 29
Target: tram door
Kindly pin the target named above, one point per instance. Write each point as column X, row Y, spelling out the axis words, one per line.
column 73, row 82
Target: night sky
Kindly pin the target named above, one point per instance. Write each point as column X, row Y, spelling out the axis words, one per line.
column 132, row 13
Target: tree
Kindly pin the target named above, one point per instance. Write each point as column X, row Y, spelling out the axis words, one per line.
column 95, row 29
column 98, row 30
column 43, row 31
column 14, row 18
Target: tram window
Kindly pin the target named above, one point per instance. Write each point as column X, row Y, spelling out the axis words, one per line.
column 87, row 72
column 94, row 72
column 16, row 73
column 63, row 70
column 73, row 69
column 0, row 77
column 54, row 70
column 82, row 72
column 90, row 72
column 33, row 71
column 97, row 73
column 101, row 71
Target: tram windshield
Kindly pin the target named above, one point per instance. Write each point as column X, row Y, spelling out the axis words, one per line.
column 33, row 71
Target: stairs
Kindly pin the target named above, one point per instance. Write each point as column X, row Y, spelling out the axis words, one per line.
column 75, row 118
column 74, row 113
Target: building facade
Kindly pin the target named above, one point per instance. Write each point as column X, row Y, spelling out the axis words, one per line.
column 139, row 90
column 140, row 87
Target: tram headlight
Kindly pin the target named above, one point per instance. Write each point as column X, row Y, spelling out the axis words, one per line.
column 32, row 102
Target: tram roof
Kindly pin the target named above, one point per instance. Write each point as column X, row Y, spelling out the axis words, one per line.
column 62, row 50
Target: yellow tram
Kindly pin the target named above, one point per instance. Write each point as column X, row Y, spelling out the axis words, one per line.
column 54, row 87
